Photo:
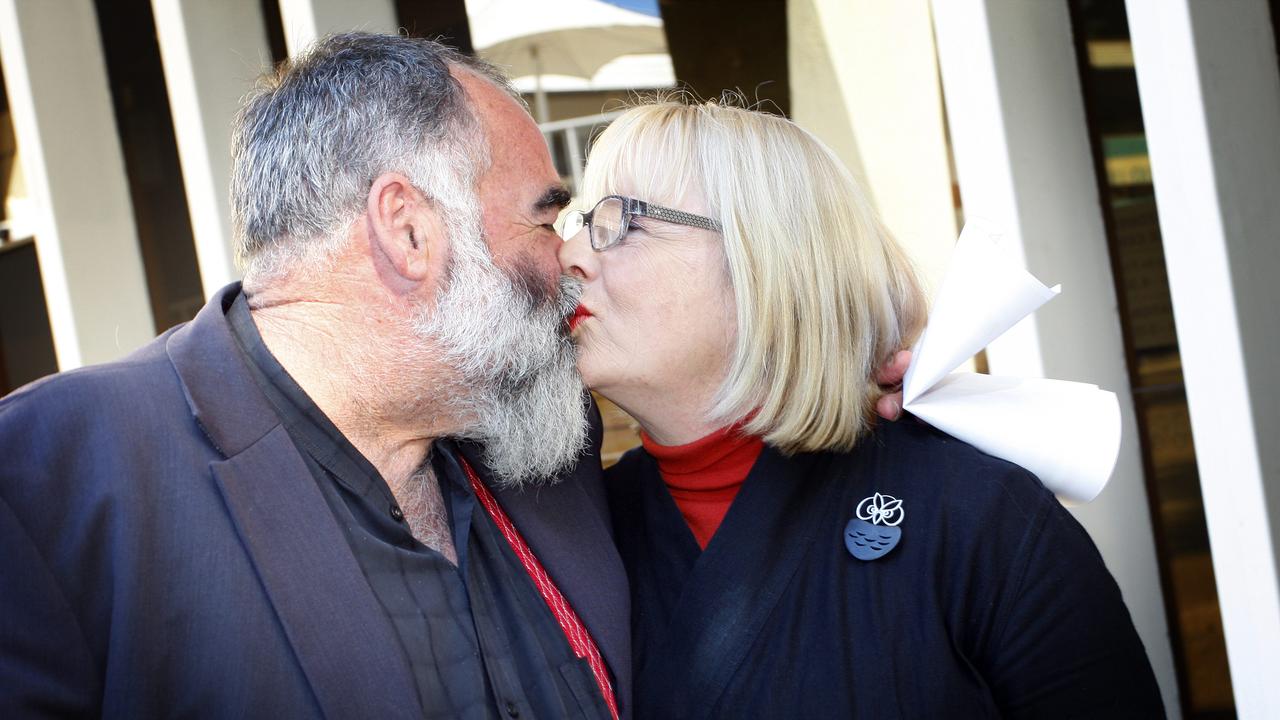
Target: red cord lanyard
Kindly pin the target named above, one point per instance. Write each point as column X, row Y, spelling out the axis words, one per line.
column 574, row 631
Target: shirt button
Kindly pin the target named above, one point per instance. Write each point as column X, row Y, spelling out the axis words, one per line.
column 396, row 513
column 512, row 710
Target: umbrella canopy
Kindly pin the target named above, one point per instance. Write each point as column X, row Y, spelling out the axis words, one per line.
column 559, row 37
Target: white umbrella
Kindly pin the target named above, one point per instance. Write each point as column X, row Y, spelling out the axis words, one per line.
column 559, row 37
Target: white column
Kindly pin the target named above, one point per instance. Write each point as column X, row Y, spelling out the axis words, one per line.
column 90, row 262
column 864, row 79
column 212, row 51
column 1024, row 163
column 1210, row 92
column 306, row 20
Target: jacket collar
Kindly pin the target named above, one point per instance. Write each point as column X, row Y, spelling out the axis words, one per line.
column 340, row 634
column 219, row 388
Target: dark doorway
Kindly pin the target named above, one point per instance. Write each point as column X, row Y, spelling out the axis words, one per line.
column 1155, row 369
column 735, row 45
column 441, row 20
column 150, row 150
column 26, row 342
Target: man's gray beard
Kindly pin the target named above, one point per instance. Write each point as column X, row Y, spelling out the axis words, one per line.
column 517, row 386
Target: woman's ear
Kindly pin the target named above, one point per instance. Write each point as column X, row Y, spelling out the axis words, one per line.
column 405, row 230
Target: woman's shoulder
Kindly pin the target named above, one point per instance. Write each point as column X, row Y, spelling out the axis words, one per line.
column 941, row 459
column 943, row 478
column 978, row 527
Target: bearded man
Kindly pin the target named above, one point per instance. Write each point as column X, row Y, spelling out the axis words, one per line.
column 331, row 493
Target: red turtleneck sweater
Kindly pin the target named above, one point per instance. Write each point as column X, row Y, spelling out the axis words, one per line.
column 704, row 476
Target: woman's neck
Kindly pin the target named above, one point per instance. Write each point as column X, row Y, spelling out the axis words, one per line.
column 668, row 416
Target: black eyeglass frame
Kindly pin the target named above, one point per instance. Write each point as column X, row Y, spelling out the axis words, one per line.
column 632, row 207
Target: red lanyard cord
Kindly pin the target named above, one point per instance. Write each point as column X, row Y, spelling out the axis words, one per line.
column 574, row 631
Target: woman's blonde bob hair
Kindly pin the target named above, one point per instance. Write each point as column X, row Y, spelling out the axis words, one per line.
column 824, row 294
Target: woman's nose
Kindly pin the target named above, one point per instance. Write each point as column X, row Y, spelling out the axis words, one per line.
column 577, row 258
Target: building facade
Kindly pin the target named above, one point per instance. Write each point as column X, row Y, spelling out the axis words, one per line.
column 1130, row 151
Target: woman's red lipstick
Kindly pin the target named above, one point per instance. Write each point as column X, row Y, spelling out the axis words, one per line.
column 580, row 313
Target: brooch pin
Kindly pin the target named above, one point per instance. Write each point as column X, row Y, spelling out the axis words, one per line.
column 874, row 530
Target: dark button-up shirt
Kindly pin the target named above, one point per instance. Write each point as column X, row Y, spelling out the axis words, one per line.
column 479, row 637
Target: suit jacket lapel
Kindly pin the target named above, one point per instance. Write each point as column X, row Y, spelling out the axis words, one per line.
column 736, row 583
column 566, row 526
column 343, row 641
column 341, row 636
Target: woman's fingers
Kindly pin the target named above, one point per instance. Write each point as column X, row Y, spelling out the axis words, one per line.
column 889, row 377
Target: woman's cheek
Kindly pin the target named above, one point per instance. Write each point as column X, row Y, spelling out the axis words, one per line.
column 598, row 355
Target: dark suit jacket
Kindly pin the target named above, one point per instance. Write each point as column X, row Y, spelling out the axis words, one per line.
column 164, row 551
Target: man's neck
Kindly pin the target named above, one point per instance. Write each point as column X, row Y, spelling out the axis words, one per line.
column 310, row 343
column 342, row 367
column 423, row 504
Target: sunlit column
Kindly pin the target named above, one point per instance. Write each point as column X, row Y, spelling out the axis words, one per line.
column 1024, row 163
column 1210, row 90
column 87, row 244
column 864, row 79
column 212, row 51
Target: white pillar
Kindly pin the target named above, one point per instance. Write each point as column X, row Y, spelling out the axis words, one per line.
column 306, row 20
column 1210, row 91
column 864, row 79
column 1024, row 163
column 90, row 263
column 212, row 51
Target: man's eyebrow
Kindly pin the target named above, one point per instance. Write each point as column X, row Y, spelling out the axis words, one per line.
column 556, row 197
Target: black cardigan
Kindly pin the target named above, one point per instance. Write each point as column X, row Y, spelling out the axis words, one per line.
column 994, row 602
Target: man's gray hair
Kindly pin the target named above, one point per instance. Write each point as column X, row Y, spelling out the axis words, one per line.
column 314, row 135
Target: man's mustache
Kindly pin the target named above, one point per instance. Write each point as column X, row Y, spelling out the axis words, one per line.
column 532, row 285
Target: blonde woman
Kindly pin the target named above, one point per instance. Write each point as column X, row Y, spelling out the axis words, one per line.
column 788, row 555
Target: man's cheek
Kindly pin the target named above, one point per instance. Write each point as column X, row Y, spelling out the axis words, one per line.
column 540, row 284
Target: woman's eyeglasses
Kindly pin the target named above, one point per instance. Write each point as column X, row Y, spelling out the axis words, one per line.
column 609, row 220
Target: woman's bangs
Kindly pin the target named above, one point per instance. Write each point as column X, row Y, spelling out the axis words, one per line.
column 646, row 154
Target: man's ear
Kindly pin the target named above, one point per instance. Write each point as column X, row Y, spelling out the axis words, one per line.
column 406, row 232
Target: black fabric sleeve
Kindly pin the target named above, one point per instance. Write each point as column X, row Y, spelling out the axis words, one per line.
column 1064, row 645
column 46, row 670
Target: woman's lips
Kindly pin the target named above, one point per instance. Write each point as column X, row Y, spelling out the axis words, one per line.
column 580, row 313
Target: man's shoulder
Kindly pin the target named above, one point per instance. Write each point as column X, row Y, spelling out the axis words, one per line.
column 116, row 418
column 129, row 386
column 109, row 442
column 146, row 389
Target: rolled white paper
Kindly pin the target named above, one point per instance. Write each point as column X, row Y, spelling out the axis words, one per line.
column 983, row 294
column 1067, row 433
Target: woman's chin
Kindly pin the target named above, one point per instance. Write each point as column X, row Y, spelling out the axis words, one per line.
column 585, row 368
column 589, row 379
column 596, row 378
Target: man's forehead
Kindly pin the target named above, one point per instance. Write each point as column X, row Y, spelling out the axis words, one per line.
column 504, row 119
column 516, row 145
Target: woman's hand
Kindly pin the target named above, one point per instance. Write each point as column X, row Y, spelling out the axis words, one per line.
column 889, row 377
